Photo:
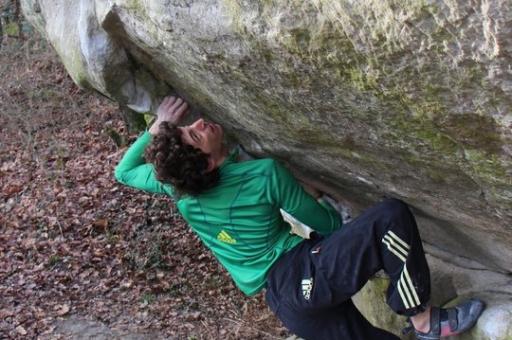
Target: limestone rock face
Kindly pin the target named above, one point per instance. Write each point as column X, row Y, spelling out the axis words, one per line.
column 410, row 98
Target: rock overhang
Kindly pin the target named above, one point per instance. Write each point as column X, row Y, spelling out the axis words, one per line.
column 411, row 100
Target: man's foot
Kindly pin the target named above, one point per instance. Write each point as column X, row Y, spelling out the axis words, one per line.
column 452, row 321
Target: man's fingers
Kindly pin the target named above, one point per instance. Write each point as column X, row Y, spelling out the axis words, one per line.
column 180, row 111
column 172, row 109
column 166, row 103
column 169, row 100
column 175, row 105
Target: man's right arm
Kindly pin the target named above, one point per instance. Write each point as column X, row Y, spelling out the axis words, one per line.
column 133, row 170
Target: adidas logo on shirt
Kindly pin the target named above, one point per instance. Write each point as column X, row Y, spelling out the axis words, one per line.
column 223, row 236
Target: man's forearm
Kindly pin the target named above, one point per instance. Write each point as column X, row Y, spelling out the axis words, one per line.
column 155, row 126
column 133, row 157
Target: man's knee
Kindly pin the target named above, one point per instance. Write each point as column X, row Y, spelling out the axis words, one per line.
column 395, row 208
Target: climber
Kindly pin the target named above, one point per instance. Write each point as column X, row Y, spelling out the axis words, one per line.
column 234, row 207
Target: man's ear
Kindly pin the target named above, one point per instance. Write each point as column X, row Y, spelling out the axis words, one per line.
column 211, row 164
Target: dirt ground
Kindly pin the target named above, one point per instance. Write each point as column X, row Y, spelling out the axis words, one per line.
column 77, row 248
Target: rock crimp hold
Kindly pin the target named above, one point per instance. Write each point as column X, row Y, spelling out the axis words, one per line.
column 411, row 99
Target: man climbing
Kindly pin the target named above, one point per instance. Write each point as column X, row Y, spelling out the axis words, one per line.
column 234, row 207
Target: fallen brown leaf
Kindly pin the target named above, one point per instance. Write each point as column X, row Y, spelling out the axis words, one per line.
column 21, row 330
column 62, row 309
column 100, row 225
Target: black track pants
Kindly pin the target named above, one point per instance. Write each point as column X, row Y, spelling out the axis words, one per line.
column 310, row 287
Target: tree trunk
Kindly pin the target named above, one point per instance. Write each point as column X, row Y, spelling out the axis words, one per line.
column 18, row 18
column 1, row 33
column 134, row 121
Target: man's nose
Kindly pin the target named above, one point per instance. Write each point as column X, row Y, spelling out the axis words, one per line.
column 199, row 124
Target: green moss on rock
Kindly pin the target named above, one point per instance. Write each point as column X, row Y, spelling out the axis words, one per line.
column 371, row 301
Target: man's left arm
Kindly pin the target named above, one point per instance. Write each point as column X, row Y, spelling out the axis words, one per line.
column 293, row 199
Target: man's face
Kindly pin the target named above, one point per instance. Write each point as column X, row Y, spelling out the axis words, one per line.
column 205, row 136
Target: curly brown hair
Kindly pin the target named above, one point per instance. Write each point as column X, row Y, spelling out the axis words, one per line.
column 179, row 164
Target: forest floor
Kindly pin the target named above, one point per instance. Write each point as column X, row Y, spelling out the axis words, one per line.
column 75, row 246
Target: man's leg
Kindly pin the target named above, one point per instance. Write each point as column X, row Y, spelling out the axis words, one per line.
column 386, row 237
column 383, row 237
column 316, row 278
column 289, row 297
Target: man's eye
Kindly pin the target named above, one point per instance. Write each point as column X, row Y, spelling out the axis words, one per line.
column 195, row 136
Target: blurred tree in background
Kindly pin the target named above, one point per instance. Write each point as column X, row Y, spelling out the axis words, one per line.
column 11, row 20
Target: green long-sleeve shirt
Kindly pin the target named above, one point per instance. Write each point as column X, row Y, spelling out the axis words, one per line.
column 239, row 219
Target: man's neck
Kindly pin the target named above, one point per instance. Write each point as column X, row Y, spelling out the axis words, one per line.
column 222, row 156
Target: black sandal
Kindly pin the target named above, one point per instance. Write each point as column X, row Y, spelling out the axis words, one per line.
column 456, row 320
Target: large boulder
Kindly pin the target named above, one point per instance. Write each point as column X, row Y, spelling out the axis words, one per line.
column 410, row 99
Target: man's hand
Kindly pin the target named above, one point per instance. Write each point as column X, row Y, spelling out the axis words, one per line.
column 171, row 110
column 296, row 226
